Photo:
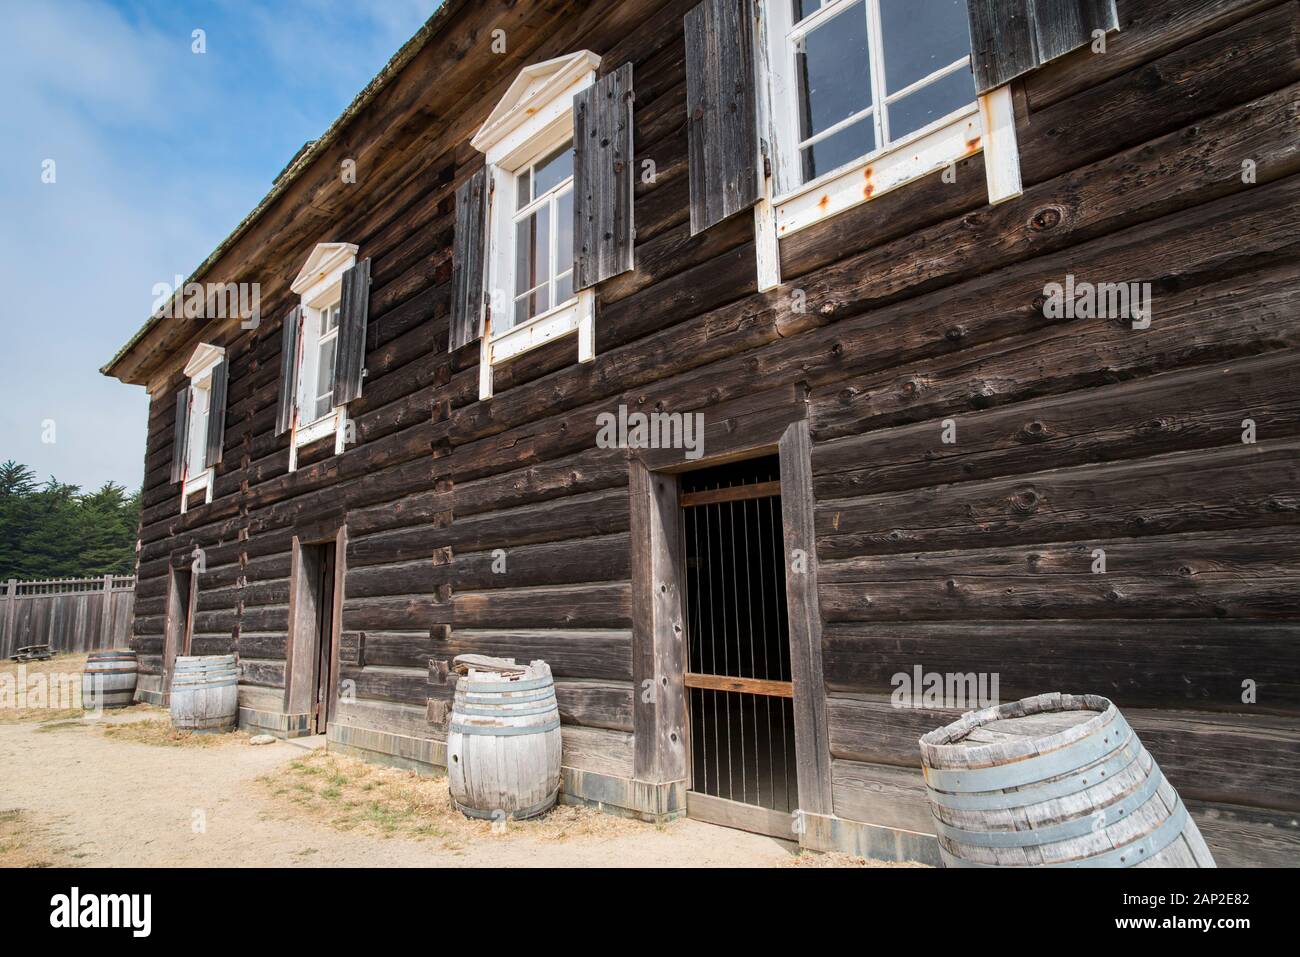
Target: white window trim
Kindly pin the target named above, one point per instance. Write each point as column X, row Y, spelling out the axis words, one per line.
column 533, row 118
column 319, row 284
column 987, row 124
column 199, row 371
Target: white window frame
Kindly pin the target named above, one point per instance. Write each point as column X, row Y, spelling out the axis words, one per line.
column 986, row 124
column 319, row 286
column 533, row 119
column 199, row 371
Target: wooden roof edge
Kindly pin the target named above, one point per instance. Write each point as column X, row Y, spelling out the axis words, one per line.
column 114, row 368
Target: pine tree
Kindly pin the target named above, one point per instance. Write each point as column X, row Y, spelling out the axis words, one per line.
column 55, row 531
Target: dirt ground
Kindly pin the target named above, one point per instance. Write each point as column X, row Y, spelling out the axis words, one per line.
column 125, row 790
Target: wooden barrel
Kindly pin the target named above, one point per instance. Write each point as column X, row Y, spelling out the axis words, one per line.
column 503, row 744
column 205, row 694
column 1056, row 780
column 109, row 679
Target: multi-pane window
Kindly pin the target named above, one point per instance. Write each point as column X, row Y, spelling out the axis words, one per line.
column 196, row 436
column 872, row 72
column 543, row 224
column 319, row 353
column 326, row 352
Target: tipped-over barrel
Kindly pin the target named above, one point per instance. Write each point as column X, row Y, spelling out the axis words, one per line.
column 1057, row 780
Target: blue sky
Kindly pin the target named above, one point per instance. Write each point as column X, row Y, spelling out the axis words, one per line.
column 159, row 152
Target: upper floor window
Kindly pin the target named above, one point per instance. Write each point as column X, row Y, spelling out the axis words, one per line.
column 317, row 381
column 324, row 342
column 200, row 398
column 530, row 251
column 870, row 73
column 200, row 423
column 866, row 95
column 860, row 76
column 543, row 222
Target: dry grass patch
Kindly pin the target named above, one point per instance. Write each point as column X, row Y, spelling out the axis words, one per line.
column 70, row 724
column 56, row 680
column 806, row 858
column 160, row 733
column 23, row 843
column 350, row 795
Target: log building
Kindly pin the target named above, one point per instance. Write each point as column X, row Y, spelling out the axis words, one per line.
column 754, row 362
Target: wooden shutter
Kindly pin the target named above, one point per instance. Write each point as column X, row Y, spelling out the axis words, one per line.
column 467, row 257
column 721, row 111
column 288, row 370
column 216, row 414
column 181, row 433
column 603, row 178
column 1011, row 37
column 349, row 365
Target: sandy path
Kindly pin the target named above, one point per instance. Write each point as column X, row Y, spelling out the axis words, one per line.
column 112, row 803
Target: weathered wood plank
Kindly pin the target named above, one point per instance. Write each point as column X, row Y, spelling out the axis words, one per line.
column 1163, row 495
column 721, row 111
column 604, row 172
column 1138, row 661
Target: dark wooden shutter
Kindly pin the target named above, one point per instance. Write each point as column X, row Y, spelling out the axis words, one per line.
column 180, row 433
column 216, row 414
column 1011, row 37
column 603, row 179
column 721, row 111
column 349, row 365
column 467, row 258
column 288, row 370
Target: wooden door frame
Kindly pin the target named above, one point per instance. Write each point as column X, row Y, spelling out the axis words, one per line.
column 178, row 635
column 302, row 651
column 659, row 710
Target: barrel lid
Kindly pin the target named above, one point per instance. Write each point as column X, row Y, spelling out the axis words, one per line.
column 1021, row 729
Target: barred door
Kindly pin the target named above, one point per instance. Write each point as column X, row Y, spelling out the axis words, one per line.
column 738, row 682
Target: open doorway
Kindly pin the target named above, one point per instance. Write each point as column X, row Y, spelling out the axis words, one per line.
column 739, row 684
column 178, row 632
column 312, row 664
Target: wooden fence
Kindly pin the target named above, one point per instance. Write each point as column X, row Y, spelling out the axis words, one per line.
column 69, row 615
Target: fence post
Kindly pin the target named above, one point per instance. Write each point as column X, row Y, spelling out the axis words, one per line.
column 11, row 605
column 106, row 618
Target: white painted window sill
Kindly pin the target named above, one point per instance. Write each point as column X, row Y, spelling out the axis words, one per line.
column 199, row 483
column 986, row 125
column 576, row 316
column 334, row 423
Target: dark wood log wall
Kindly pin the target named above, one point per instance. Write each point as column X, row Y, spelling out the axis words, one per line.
column 923, row 305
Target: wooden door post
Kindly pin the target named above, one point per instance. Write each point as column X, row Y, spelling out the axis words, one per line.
column 658, row 630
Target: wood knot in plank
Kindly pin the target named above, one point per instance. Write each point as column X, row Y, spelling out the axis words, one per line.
column 1034, row 431
column 1025, row 502
column 1049, row 217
